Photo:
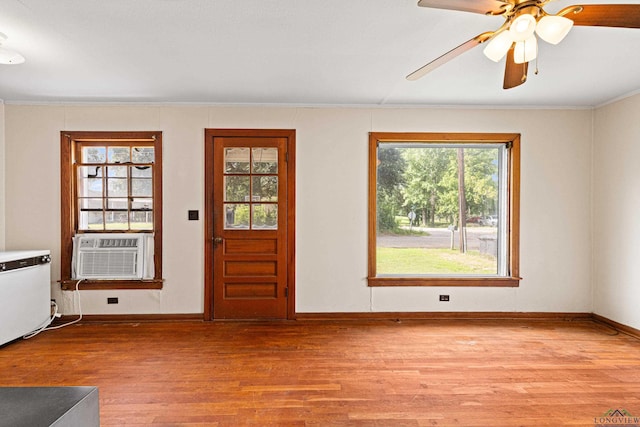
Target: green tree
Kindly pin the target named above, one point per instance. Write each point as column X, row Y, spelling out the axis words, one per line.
column 449, row 202
column 481, row 181
column 481, row 186
column 424, row 180
column 391, row 166
column 431, row 182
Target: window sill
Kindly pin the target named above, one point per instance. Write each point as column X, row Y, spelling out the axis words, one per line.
column 445, row 281
column 70, row 285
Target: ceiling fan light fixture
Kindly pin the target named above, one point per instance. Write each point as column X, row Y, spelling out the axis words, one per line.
column 498, row 47
column 553, row 29
column 525, row 21
column 525, row 50
column 8, row 56
column 522, row 27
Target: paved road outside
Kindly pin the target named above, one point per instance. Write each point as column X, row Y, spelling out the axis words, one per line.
column 437, row 238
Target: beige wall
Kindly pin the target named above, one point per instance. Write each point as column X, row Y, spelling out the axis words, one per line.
column 331, row 201
column 616, row 211
column 2, row 179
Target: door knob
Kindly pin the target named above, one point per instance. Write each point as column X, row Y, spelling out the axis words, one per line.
column 217, row 240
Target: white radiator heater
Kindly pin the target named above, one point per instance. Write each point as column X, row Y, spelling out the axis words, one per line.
column 25, row 292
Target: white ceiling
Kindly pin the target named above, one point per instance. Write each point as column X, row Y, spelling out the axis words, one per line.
column 335, row 52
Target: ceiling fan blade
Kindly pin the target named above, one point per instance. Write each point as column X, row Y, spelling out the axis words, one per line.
column 601, row 15
column 514, row 74
column 491, row 7
column 470, row 44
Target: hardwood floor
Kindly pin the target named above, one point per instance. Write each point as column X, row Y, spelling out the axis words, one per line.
column 329, row 373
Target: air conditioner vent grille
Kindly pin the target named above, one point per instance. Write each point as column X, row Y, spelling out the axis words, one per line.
column 118, row 243
column 108, row 264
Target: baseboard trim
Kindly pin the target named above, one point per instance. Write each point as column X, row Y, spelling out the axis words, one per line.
column 129, row 318
column 617, row 326
column 448, row 315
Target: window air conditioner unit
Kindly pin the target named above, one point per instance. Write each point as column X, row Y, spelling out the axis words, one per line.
column 108, row 256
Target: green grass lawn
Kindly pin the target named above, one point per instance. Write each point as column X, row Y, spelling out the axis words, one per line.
column 432, row 261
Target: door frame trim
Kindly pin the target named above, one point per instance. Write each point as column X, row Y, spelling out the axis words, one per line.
column 209, row 135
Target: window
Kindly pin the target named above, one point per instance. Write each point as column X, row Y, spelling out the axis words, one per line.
column 111, row 182
column 114, row 186
column 419, row 184
column 251, row 188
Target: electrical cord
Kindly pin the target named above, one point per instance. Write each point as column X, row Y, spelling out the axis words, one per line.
column 45, row 324
column 55, row 315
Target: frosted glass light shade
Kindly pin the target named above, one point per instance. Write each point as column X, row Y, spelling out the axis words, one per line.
column 525, row 50
column 10, row 57
column 553, row 29
column 498, row 47
column 522, row 27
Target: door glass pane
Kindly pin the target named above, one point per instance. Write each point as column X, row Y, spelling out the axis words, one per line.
column 142, row 155
column 94, row 154
column 118, row 155
column 264, row 216
column 264, row 188
column 116, row 220
column 265, row 160
column 236, row 188
column 236, row 216
column 236, row 160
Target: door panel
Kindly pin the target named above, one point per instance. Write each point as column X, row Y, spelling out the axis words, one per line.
column 248, row 224
column 257, row 246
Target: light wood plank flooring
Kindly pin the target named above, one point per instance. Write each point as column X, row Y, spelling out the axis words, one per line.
column 330, row 373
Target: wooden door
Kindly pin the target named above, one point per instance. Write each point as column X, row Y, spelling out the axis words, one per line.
column 249, row 221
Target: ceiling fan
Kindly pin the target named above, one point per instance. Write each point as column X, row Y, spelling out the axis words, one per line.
column 524, row 19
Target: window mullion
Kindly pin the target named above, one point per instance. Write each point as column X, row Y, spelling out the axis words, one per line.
column 129, row 195
column 129, row 187
column 105, row 195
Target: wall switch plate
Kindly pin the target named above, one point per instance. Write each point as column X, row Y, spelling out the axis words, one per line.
column 194, row 215
column 444, row 298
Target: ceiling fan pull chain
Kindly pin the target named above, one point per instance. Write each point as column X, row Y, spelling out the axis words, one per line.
column 537, row 51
